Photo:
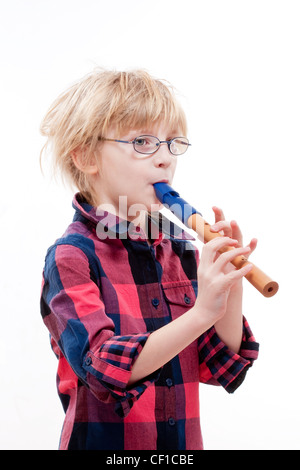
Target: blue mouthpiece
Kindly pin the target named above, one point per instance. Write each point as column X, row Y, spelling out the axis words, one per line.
column 171, row 199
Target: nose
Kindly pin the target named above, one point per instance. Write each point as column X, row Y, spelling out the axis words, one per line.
column 163, row 157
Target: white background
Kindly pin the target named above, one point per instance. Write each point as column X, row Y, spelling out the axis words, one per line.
column 236, row 66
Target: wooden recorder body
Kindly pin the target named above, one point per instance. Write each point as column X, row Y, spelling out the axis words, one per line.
column 263, row 283
column 194, row 220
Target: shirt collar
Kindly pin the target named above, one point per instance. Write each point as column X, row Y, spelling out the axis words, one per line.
column 110, row 225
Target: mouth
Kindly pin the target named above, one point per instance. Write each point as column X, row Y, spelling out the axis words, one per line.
column 162, row 181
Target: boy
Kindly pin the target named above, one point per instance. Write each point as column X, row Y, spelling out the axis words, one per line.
column 135, row 320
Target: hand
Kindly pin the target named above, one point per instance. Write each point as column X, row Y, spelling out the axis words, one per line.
column 230, row 229
column 217, row 269
column 215, row 279
column 228, row 302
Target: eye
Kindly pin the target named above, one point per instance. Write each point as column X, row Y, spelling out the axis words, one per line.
column 141, row 141
column 179, row 145
column 146, row 144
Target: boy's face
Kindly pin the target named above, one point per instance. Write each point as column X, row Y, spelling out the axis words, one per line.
column 124, row 172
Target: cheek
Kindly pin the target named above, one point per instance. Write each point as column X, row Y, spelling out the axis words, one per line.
column 132, row 183
column 174, row 165
column 117, row 173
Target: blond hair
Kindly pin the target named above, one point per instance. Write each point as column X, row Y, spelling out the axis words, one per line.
column 84, row 112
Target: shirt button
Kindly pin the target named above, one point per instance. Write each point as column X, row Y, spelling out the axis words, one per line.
column 169, row 382
column 187, row 299
column 171, row 421
column 88, row 361
column 155, row 302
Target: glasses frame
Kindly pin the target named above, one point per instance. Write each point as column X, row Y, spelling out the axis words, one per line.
column 133, row 142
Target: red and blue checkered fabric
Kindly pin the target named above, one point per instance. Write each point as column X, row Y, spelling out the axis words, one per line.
column 102, row 296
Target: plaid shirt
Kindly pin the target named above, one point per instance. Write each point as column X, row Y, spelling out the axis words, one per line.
column 104, row 290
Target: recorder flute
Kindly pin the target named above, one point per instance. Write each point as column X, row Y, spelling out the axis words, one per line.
column 194, row 220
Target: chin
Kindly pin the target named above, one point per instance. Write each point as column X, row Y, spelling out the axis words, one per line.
column 148, row 205
column 145, row 198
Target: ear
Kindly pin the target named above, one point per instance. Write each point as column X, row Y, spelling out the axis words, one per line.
column 79, row 159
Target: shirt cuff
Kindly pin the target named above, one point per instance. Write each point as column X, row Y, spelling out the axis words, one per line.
column 112, row 367
column 221, row 366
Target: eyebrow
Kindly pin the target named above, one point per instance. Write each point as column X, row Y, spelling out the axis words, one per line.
column 137, row 133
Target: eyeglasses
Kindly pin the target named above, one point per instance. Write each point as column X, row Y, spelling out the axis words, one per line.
column 148, row 144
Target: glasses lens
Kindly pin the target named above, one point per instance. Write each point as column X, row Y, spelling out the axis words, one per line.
column 146, row 144
column 179, row 145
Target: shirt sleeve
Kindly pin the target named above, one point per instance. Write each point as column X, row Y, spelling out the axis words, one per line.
column 221, row 366
column 74, row 313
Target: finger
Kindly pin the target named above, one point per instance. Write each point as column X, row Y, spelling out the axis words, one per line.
column 211, row 248
column 223, row 226
column 236, row 232
column 232, row 277
column 252, row 245
column 225, row 258
column 219, row 215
